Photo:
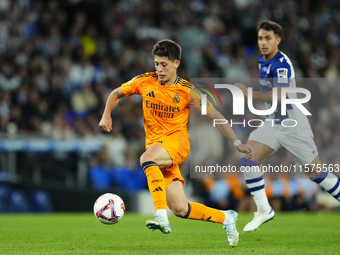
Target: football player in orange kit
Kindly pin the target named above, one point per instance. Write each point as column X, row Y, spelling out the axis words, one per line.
column 166, row 107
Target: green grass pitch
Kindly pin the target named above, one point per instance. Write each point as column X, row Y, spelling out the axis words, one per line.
column 289, row 233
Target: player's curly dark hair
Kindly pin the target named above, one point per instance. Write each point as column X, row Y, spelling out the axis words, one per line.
column 167, row 48
column 269, row 25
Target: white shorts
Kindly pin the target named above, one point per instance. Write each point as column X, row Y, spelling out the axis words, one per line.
column 300, row 142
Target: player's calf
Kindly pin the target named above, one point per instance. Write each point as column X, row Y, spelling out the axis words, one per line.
column 228, row 219
column 179, row 209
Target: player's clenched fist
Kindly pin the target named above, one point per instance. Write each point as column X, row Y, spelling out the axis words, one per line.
column 247, row 149
column 106, row 123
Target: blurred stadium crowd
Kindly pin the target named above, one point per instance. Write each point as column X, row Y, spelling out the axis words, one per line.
column 59, row 60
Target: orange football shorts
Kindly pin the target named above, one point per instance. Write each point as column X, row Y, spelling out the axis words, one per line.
column 178, row 147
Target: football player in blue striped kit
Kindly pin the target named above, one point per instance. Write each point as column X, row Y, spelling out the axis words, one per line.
column 276, row 70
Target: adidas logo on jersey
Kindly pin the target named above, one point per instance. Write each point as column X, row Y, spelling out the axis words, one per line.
column 151, row 94
column 158, row 189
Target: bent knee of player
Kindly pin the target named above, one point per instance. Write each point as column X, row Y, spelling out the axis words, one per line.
column 163, row 160
column 179, row 209
column 141, row 159
column 145, row 157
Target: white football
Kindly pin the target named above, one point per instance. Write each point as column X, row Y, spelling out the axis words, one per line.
column 109, row 208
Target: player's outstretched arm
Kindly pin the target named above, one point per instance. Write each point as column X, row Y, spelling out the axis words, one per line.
column 263, row 96
column 229, row 133
column 113, row 99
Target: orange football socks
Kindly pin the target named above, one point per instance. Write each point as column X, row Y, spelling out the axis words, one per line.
column 156, row 184
column 201, row 212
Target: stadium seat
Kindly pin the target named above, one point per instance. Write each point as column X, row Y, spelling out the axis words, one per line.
column 18, row 202
column 100, row 178
column 128, row 180
column 4, row 195
column 41, row 201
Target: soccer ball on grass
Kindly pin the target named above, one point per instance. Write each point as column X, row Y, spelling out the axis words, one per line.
column 109, row 208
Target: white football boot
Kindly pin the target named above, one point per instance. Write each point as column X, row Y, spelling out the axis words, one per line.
column 159, row 223
column 229, row 225
column 258, row 220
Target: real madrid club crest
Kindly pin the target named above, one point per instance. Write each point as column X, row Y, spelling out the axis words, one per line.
column 176, row 99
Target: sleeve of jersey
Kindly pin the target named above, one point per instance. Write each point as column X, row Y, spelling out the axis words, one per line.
column 282, row 73
column 131, row 87
column 196, row 99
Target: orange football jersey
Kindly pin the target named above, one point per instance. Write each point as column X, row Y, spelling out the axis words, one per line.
column 165, row 108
